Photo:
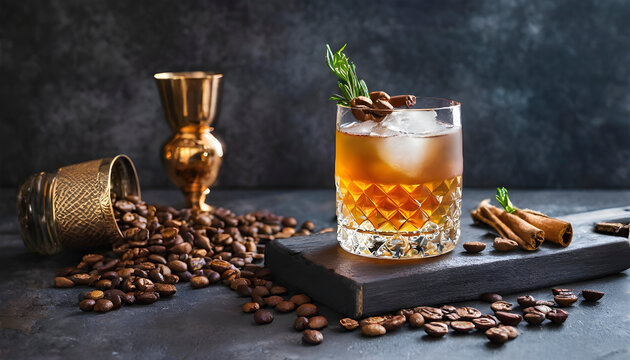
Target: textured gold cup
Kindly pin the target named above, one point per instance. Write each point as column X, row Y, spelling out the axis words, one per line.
column 192, row 157
column 73, row 207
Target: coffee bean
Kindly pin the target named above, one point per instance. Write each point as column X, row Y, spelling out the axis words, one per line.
column 540, row 308
column 394, row 323
column 94, row 295
column 348, row 324
column 145, row 298
column 436, row 329
column 289, row 222
column 565, row 300
column 103, row 305
column 501, row 306
column 171, row 279
column 372, row 330
column 526, row 301
column 165, row 289
column 240, row 281
column 177, row 265
column 462, row 326
column 63, row 282
column 263, row 317
column 491, row 297
column 416, row 320
column 81, row 279
column 286, row 306
column 92, row 259
column 503, row 245
column 278, row 290
column 474, row 247
column 508, row 318
column 274, row 300
column 300, row 323
column 485, row 322
column 429, row 313
column 592, row 295
column 468, row 313
column 557, row 291
column 199, row 281
column 306, row 310
column 451, row 317
column 534, row 317
column 312, row 337
column 510, row 330
column 317, row 322
column 244, row 290
column 557, row 316
column 261, row 291
column 145, row 285
column 497, row 335
column 87, row 304
column 300, row 299
column 546, row 303
column 374, row 320
column 251, row 307
column 213, row 276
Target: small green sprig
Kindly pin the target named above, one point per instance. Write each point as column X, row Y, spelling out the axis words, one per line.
column 349, row 85
column 504, row 200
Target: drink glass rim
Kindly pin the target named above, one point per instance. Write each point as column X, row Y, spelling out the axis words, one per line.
column 444, row 104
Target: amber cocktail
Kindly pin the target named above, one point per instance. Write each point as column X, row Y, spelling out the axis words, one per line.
column 399, row 181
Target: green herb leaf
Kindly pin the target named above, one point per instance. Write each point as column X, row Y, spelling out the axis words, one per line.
column 349, row 84
column 504, row 200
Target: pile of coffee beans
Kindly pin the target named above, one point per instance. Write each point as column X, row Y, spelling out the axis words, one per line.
column 163, row 246
column 498, row 327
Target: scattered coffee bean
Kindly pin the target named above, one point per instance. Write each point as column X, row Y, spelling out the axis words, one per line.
column 103, row 305
column 312, row 337
column 278, row 290
column 300, row 299
column 497, row 335
column 485, row 322
column 546, row 303
column 374, row 319
column 565, row 300
column 394, row 323
column 429, row 313
column 274, row 300
column 94, row 295
column 286, row 306
column 502, row 244
column 348, row 324
column 261, row 291
column 462, row 326
column 63, row 282
column 508, row 318
column 491, row 297
column 436, row 329
column 87, row 304
column 511, row 331
column 199, row 281
column 244, row 290
column 251, row 307
column 373, row 330
column 317, row 322
column 557, row 291
column 165, row 289
column 146, row 298
column 263, row 317
column 474, row 247
column 592, row 295
column 468, row 313
column 501, row 306
column 557, row 316
column 534, row 317
column 300, row 323
column 416, row 320
column 526, row 301
column 306, row 310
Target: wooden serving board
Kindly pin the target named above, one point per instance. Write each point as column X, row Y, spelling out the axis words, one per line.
column 358, row 286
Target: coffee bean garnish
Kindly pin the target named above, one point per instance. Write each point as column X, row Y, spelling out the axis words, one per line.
column 436, row 329
column 534, row 317
column 503, row 245
column 508, row 318
column 526, row 301
column 557, row 316
column 592, row 295
column 349, row 324
column 485, row 322
column 511, row 331
column 565, row 300
column 468, row 313
column 474, row 247
column 497, row 335
column 312, row 337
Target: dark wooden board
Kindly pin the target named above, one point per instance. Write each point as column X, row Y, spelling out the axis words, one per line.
column 359, row 286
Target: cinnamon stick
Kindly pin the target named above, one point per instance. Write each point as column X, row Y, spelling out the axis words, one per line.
column 556, row 230
column 509, row 226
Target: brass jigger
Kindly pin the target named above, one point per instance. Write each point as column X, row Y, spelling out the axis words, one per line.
column 192, row 157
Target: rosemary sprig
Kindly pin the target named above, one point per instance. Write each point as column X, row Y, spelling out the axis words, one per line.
column 504, row 200
column 349, row 85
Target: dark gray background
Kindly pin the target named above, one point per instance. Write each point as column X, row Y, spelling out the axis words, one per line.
column 545, row 85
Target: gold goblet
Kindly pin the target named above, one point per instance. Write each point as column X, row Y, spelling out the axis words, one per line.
column 192, row 157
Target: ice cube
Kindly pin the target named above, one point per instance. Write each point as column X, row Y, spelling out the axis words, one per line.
column 415, row 122
column 358, row 127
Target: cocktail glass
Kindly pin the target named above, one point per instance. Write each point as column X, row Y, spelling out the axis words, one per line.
column 399, row 181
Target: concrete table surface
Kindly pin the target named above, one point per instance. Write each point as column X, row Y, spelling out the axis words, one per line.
column 41, row 322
